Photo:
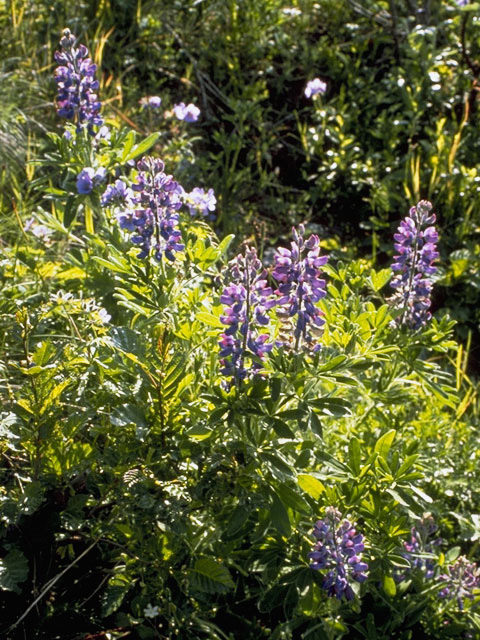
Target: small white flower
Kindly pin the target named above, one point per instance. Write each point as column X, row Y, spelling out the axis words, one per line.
column 150, row 612
column 291, row 11
column 314, row 87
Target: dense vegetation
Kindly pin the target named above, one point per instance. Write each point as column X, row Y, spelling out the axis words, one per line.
column 214, row 426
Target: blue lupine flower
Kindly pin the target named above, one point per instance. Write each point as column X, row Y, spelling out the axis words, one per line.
column 198, row 201
column 89, row 178
column 189, row 113
column 415, row 242
column 315, row 87
column 298, row 272
column 149, row 209
column 462, row 580
column 76, row 83
column 117, row 193
column 247, row 299
column 338, row 550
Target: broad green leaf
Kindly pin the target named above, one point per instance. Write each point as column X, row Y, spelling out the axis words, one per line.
column 142, row 147
column 199, row 432
column 420, row 493
column 312, row 486
column 292, row 499
column 279, row 516
column 13, row 571
column 130, row 414
column 210, row 320
column 53, row 395
column 115, row 592
column 282, row 429
column 236, row 522
column 354, row 454
column 383, row 444
column 224, row 244
column 389, row 585
column 112, row 265
column 43, row 353
column 210, row 576
column 127, row 145
column 379, row 279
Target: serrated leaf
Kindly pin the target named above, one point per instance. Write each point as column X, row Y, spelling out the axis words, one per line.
column 210, row 576
column 13, row 571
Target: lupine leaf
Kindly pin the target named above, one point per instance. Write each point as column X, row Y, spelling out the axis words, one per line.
column 142, row 147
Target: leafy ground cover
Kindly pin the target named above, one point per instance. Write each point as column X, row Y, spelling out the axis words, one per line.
column 215, row 425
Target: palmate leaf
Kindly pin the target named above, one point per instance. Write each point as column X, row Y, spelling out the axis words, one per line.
column 13, row 571
column 210, row 576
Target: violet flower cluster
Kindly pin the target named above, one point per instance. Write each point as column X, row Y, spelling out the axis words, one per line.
column 77, row 100
column 419, row 547
column 461, row 581
column 298, row 272
column 247, row 298
column 188, row 113
column 200, row 202
column 339, row 551
column 149, row 209
column 415, row 242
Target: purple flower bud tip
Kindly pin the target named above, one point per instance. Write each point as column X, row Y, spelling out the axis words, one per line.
column 76, row 83
column 315, row 87
column 189, row 113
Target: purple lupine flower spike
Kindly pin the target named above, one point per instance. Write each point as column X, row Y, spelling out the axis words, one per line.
column 415, row 242
column 149, row 209
column 298, row 272
column 338, row 550
column 77, row 100
column 417, row 548
column 247, row 299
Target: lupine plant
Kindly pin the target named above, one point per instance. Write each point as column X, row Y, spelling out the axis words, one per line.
column 174, row 421
column 415, row 242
